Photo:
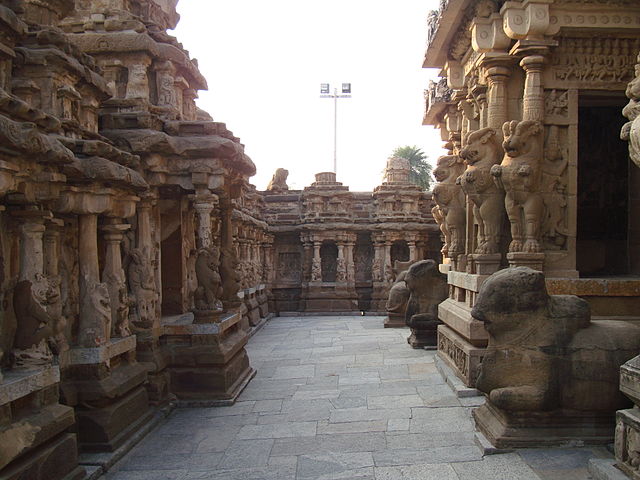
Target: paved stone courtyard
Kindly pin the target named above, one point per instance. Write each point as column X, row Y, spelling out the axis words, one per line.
column 337, row 398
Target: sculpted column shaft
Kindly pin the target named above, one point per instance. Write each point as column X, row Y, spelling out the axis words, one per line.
column 533, row 101
column 93, row 296
column 412, row 251
column 378, row 262
column 144, row 226
column 497, row 98
column 228, row 260
column 203, row 211
column 114, row 276
column 31, row 252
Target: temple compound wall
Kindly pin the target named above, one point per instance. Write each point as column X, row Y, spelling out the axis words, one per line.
column 339, row 251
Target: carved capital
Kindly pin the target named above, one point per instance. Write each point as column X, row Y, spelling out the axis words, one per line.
column 487, row 34
column 526, row 20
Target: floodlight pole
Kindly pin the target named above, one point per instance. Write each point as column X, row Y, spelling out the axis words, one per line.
column 335, row 97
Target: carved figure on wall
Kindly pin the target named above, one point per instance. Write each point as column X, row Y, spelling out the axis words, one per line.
column 278, row 182
column 142, row 288
column 427, row 288
column 544, row 352
column 230, row 274
column 207, row 296
column 438, row 216
column 35, row 327
column 481, row 153
column 341, row 270
column 376, row 270
column 96, row 329
column 450, row 199
column 519, row 175
column 631, row 130
column 316, row 270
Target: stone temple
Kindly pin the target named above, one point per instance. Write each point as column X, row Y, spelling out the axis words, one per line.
column 136, row 259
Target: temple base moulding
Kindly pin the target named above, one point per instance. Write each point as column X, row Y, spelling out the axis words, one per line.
column 543, row 429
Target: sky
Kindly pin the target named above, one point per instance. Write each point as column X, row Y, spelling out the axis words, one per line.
column 264, row 62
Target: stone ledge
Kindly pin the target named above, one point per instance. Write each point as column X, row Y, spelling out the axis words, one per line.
column 457, row 316
column 594, row 287
column 605, row 469
column 91, row 356
column 183, row 325
column 20, row 383
column 468, row 281
column 458, row 387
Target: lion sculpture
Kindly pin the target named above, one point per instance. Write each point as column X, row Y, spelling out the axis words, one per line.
column 519, row 175
column 449, row 199
column 209, row 291
column 544, row 352
column 278, row 182
column 483, row 151
column 427, row 289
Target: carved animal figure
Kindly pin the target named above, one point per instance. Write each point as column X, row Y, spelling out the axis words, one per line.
column 427, row 288
column 544, row 353
column 209, row 281
column 519, row 175
column 449, row 198
column 142, row 286
column 279, row 181
column 483, row 151
column 230, row 274
column 34, row 324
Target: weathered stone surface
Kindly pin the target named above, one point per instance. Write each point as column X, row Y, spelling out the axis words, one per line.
column 562, row 383
column 427, row 287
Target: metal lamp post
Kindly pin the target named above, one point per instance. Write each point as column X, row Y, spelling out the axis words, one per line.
column 346, row 93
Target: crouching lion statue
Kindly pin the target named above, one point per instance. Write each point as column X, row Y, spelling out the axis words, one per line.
column 427, row 289
column 544, row 352
column 550, row 373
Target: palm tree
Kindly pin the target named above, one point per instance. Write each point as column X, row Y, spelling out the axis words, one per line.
column 420, row 169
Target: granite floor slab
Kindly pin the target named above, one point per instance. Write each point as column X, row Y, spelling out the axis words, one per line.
column 337, row 398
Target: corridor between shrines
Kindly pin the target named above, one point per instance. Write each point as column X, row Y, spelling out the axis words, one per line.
column 335, row 398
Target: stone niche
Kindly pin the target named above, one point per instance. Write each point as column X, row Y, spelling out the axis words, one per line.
column 549, row 372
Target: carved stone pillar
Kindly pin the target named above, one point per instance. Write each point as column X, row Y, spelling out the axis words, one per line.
column 95, row 312
column 144, row 240
column 533, row 101
column 341, row 266
column 378, row 261
column 412, row 250
column 228, row 260
column 204, row 205
column 497, row 107
column 316, row 263
column 349, row 260
column 388, row 268
column 31, row 251
column 113, row 275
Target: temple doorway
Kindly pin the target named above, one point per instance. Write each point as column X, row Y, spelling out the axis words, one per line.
column 602, row 244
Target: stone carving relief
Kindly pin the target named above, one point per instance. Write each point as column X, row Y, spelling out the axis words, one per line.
column 230, row 274
column 481, row 152
column 557, row 103
column 209, row 291
column 537, row 341
column 142, row 289
column 631, row 130
column 35, row 325
column 595, row 59
column 520, row 175
column 278, row 182
column 316, row 270
column 97, row 308
column 341, row 270
column 450, row 202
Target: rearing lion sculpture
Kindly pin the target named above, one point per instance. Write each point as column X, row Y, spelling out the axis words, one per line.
column 483, row 151
column 449, row 198
column 520, row 175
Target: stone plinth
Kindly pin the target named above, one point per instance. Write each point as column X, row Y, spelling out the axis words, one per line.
column 34, row 442
column 462, row 340
column 628, row 421
column 329, row 297
column 463, row 357
column 207, row 362
column 528, row 429
column 394, row 320
column 105, row 385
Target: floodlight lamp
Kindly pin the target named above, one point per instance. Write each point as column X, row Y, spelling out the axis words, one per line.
column 346, row 88
column 324, row 88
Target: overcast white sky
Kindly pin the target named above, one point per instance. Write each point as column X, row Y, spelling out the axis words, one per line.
column 264, row 62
